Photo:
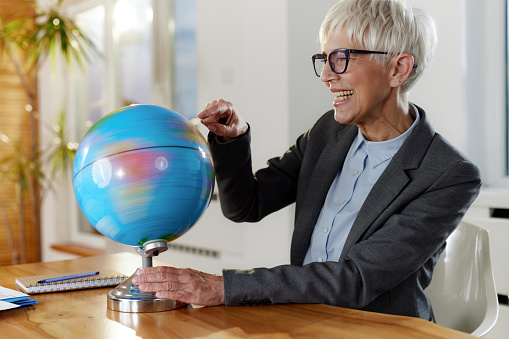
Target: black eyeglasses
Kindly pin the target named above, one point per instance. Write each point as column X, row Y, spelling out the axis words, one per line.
column 338, row 60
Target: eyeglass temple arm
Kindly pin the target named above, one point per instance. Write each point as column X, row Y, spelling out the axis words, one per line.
column 360, row 51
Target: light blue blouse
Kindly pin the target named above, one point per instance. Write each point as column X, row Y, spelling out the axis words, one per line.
column 365, row 162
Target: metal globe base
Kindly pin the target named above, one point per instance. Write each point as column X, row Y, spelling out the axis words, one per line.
column 128, row 298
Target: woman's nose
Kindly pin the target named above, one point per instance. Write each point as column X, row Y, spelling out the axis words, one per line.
column 327, row 74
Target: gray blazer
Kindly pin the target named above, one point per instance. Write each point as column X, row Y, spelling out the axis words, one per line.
column 394, row 243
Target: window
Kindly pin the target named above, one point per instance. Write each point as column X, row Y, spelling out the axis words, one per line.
column 147, row 56
column 484, row 83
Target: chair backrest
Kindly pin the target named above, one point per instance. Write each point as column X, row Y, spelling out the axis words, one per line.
column 462, row 290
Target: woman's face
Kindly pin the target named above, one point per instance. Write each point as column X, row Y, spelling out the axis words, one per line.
column 362, row 93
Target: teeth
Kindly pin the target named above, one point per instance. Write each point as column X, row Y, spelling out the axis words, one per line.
column 342, row 95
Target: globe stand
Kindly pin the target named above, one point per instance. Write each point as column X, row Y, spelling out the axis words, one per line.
column 127, row 298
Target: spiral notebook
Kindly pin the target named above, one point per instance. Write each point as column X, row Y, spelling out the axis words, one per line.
column 32, row 285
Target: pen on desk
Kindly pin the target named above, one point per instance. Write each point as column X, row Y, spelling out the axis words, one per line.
column 68, row 277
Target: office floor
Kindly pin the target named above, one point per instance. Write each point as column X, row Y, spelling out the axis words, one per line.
column 501, row 329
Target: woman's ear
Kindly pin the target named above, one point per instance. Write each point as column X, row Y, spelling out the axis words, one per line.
column 402, row 66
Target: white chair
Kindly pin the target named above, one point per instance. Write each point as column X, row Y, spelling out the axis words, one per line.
column 462, row 291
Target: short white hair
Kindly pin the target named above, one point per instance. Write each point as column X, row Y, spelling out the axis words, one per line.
column 385, row 25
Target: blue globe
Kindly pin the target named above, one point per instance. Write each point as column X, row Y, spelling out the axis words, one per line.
column 143, row 173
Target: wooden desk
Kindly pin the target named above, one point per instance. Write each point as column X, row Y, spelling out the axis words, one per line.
column 83, row 314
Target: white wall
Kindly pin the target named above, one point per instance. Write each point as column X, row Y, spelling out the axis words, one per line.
column 439, row 92
column 464, row 90
column 309, row 97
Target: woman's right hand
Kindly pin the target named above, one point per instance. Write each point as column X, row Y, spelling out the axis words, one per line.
column 221, row 118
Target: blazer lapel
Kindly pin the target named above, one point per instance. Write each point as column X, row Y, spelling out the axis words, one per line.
column 392, row 181
column 326, row 169
column 386, row 189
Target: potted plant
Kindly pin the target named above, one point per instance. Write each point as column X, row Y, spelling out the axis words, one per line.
column 27, row 42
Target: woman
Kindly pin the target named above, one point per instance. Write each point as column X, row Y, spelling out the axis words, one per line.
column 377, row 191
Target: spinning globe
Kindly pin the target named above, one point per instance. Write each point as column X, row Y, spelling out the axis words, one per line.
column 143, row 173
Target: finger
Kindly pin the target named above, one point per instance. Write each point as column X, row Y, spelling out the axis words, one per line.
column 184, row 293
column 217, row 107
column 157, row 269
column 160, row 287
column 182, row 296
column 168, row 276
column 154, row 275
column 209, row 110
column 220, row 129
column 149, row 278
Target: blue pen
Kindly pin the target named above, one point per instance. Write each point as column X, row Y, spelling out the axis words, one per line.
column 68, row 277
column 14, row 300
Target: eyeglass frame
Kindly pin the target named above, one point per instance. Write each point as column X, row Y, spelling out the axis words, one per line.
column 347, row 52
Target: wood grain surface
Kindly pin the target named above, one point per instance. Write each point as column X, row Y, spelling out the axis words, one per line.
column 83, row 314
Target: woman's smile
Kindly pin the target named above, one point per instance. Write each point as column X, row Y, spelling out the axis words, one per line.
column 341, row 96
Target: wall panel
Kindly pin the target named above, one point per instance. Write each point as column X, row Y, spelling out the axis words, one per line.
column 15, row 124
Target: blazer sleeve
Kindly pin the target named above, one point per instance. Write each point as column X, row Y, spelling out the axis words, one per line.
column 268, row 190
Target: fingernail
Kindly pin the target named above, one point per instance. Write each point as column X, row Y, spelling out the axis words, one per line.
column 142, row 287
column 213, row 129
column 136, row 280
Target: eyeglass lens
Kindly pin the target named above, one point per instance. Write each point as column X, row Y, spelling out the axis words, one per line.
column 337, row 61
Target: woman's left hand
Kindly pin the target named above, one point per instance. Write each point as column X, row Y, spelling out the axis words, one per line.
column 181, row 284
